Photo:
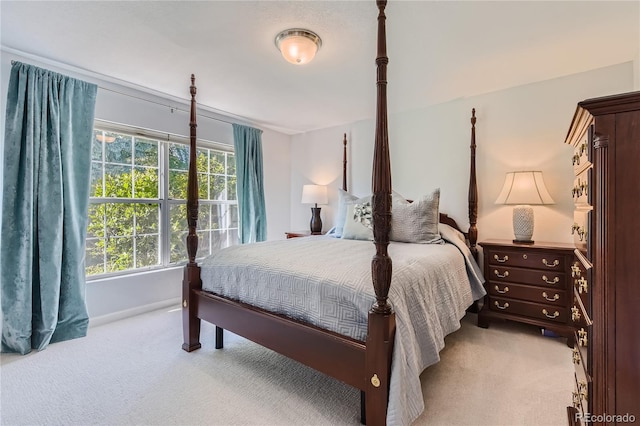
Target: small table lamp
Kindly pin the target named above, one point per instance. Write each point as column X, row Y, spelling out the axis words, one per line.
column 315, row 194
column 523, row 189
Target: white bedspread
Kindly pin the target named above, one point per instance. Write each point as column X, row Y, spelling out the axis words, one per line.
column 326, row 281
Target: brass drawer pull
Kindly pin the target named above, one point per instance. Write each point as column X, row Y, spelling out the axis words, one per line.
column 550, row 299
column 506, row 305
column 550, row 265
column 506, row 290
column 506, row 274
column 576, row 356
column 582, row 389
column 556, row 280
column 582, row 337
column 575, row 159
column 504, row 259
column 576, row 399
column 575, row 313
column 546, row 314
column 583, row 285
column 580, row 230
column 575, row 270
column 576, row 192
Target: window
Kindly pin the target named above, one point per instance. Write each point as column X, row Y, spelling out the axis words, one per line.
column 137, row 210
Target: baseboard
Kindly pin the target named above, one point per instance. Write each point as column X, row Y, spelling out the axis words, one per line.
column 115, row 316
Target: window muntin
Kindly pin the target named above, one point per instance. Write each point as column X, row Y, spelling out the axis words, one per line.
column 137, row 218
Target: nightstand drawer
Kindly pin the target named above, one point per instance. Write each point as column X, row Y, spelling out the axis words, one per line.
column 529, row 283
column 527, row 276
column 533, row 294
column 529, row 309
column 545, row 261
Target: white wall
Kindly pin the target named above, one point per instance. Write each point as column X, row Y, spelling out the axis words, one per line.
column 118, row 296
column 522, row 128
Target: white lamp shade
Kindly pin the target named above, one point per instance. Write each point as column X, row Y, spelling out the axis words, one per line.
column 524, row 188
column 298, row 46
column 314, row 194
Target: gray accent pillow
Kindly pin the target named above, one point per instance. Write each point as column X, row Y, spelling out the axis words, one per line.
column 417, row 222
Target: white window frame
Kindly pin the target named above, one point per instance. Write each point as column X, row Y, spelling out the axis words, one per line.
column 164, row 201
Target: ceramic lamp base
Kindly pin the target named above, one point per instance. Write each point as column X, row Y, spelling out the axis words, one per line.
column 523, row 224
column 316, row 222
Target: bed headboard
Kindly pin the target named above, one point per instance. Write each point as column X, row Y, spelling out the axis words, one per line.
column 472, row 200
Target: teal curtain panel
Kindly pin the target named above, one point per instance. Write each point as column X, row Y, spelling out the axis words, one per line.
column 251, row 206
column 47, row 163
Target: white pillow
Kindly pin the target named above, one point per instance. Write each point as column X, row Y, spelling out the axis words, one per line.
column 344, row 198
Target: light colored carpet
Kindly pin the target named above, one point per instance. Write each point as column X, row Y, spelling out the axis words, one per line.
column 133, row 372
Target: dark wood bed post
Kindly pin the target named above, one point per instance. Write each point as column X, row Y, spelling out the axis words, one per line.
column 191, row 279
column 344, row 163
column 381, row 331
column 473, row 191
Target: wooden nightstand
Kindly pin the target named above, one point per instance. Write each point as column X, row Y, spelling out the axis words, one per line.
column 529, row 283
column 296, row 234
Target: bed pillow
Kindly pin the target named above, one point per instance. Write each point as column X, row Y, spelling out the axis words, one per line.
column 417, row 222
column 344, row 199
column 355, row 227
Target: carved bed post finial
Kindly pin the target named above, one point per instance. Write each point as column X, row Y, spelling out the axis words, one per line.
column 344, row 163
column 192, row 185
column 381, row 199
column 473, row 191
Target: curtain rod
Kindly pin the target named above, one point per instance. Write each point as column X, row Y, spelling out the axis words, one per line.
column 172, row 108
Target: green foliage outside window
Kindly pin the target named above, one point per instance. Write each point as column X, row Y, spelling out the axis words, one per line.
column 126, row 234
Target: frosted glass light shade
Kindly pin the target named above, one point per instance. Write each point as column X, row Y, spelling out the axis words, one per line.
column 297, row 45
column 314, row 194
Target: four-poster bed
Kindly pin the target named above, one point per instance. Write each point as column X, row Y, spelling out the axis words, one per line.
column 363, row 361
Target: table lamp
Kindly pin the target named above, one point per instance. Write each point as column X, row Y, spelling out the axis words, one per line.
column 315, row 194
column 524, row 189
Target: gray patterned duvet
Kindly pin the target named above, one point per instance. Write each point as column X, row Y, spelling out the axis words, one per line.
column 326, row 282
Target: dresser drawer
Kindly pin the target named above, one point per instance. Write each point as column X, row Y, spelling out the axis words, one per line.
column 529, row 309
column 581, row 391
column 579, row 362
column 533, row 294
column 581, row 285
column 546, row 261
column 581, row 191
column 582, row 340
column 581, row 156
column 580, row 230
column 580, row 318
column 503, row 274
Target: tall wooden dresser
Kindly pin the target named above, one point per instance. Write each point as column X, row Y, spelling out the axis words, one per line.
column 605, row 134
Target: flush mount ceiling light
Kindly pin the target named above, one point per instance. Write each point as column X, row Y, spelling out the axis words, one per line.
column 297, row 45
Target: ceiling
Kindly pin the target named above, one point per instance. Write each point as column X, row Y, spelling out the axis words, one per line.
column 438, row 51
